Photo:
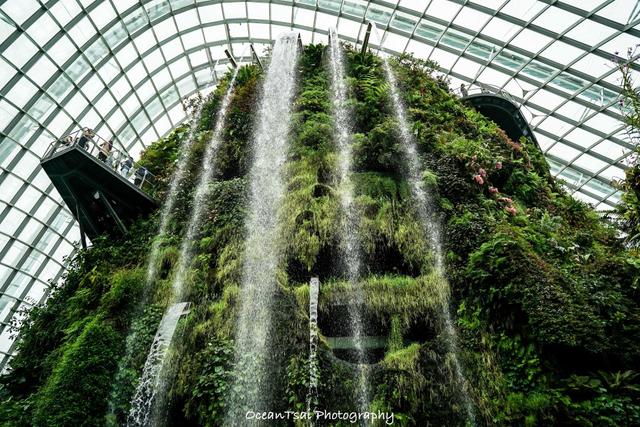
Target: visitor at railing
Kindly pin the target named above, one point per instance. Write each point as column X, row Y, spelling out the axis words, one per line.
column 140, row 176
column 126, row 167
column 105, row 150
column 87, row 134
column 114, row 159
column 477, row 88
column 463, row 90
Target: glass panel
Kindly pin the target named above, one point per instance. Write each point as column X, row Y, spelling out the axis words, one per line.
column 403, row 22
column 354, row 8
column 154, row 107
column 7, row 149
column 103, row 14
column 157, row 8
column 97, row 51
column 78, row 69
column 455, row 40
column 429, row 30
column 6, row 304
column 46, row 69
column 20, row 11
column 20, row 51
column 170, row 96
column 17, row 249
column 135, row 21
column 115, row 34
column 22, row 131
column 539, row 71
column 22, row 92
column 378, row 15
column 43, row 29
column 42, row 107
column 329, row 4
column 510, row 59
column 18, row 285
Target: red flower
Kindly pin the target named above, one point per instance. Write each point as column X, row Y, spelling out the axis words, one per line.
column 482, row 172
column 511, row 210
column 478, row 179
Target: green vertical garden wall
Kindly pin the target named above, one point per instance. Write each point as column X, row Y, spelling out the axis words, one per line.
column 544, row 293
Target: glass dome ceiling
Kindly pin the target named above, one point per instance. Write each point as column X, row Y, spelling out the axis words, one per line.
column 122, row 66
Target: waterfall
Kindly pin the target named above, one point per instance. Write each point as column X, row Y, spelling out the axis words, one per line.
column 199, row 198
column 350, row 245
column 170, row 199
column 426, row 212
column 165, row 216
column 263, row 243
column 312, row 397
column 151, row 389
column 153, row 373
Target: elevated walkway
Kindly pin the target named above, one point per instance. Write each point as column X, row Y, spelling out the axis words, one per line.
column 499, row 106
column 99, row 183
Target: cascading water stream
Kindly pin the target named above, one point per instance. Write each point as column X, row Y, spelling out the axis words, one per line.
column 165, row 216
column 263, row 247
column 170, row 200
column 350, row 240
column 426, row 213
column 312, row 395
column 199, row 198
column 152, row 388
column 151, row 380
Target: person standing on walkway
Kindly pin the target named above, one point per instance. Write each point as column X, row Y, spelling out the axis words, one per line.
column 105, row 150
column 87, row 134
column 126, row 166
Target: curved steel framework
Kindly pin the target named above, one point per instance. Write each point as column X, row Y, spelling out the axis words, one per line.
column 122, row 67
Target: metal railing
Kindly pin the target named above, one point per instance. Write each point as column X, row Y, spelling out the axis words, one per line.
column 115, row 158
column 478, row 88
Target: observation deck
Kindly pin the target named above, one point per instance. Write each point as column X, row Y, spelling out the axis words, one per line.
column 99, row 182
column 499, row 106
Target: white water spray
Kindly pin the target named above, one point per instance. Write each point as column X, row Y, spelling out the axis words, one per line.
column 165, row 216
column 312, row 395
column 350, row 240
column 253, row 385
column 170, row 199
column 426, row 212
column 141, row 413
column 152, row 389
column 197, row 209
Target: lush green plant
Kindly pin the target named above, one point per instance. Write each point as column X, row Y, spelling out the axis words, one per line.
column 79, row 384
column 543, row 290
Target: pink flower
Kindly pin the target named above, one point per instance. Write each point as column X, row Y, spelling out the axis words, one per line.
column 506, row 200
column 474, row 158
column 482, row 172
column 498, row 165
column 511, row 210
column 478, row 179
column 493, row 190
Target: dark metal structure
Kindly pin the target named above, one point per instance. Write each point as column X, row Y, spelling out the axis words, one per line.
column 504, row 112
column 98, row 191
